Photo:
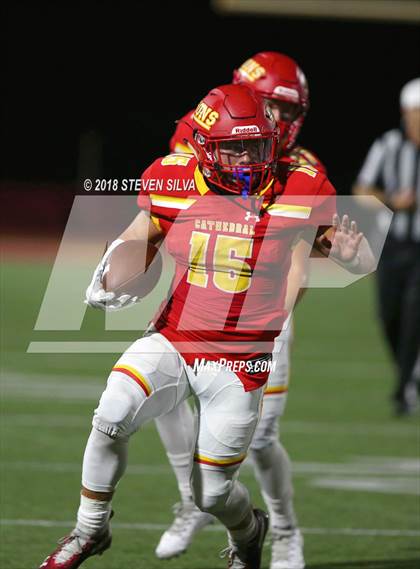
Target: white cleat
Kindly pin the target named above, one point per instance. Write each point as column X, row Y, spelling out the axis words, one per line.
column 286, row 549
column 188, row 521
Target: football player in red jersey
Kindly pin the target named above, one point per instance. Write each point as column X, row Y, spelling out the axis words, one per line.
column 230, row 233
column 280, row 81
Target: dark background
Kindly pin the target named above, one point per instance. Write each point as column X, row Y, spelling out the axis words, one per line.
column 129, row 69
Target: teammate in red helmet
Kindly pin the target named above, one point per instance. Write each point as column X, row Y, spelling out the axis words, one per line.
column 282, row 84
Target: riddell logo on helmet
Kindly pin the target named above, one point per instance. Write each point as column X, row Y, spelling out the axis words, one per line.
column 251, row 129
column 205, row 116
column 252, row 70
column 287, row 92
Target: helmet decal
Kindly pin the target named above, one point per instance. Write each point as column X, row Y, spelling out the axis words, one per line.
column 205, row 116
column 282, row 91
column 248, row 129
column 252, row 70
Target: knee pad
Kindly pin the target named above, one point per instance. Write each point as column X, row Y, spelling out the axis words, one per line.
column 155, row 389
column 118, row 407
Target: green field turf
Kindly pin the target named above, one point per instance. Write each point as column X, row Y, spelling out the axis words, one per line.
column 338, row 428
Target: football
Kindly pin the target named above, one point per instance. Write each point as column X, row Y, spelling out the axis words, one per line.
column 133, row 268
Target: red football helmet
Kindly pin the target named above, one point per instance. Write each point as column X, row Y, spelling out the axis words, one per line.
column 235, row 139
column 278, row 79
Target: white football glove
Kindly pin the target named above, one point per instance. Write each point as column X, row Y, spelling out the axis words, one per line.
column 96, row 296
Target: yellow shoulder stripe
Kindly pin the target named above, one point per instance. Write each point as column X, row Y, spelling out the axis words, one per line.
column 171, row 202
column 182, row 149
column 199, row 182
column 306, row 169
column 290, row 210
column 177, row 159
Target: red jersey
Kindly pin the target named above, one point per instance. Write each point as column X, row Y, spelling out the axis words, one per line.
column 182, row 135
column 232, row 257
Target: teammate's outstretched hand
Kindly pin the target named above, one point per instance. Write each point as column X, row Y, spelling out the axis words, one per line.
column 345, row 242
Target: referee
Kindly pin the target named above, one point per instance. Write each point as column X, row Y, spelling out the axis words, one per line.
column 391, row 172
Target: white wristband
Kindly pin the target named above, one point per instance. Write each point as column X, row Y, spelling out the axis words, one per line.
column 113, row 245
column 103, row 264
column 99, row 271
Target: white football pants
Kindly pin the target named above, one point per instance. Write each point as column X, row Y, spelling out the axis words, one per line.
column 150, row 379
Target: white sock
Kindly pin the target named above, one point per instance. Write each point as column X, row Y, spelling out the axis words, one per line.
column 93, row 515
column 181, row 465
column 278, row 519
column 104, row 462
column 273, row 472
column 244, row 535
column 237, row 511
column 177, row 432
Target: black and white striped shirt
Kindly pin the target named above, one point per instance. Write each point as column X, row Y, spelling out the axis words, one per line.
column 393, row 165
